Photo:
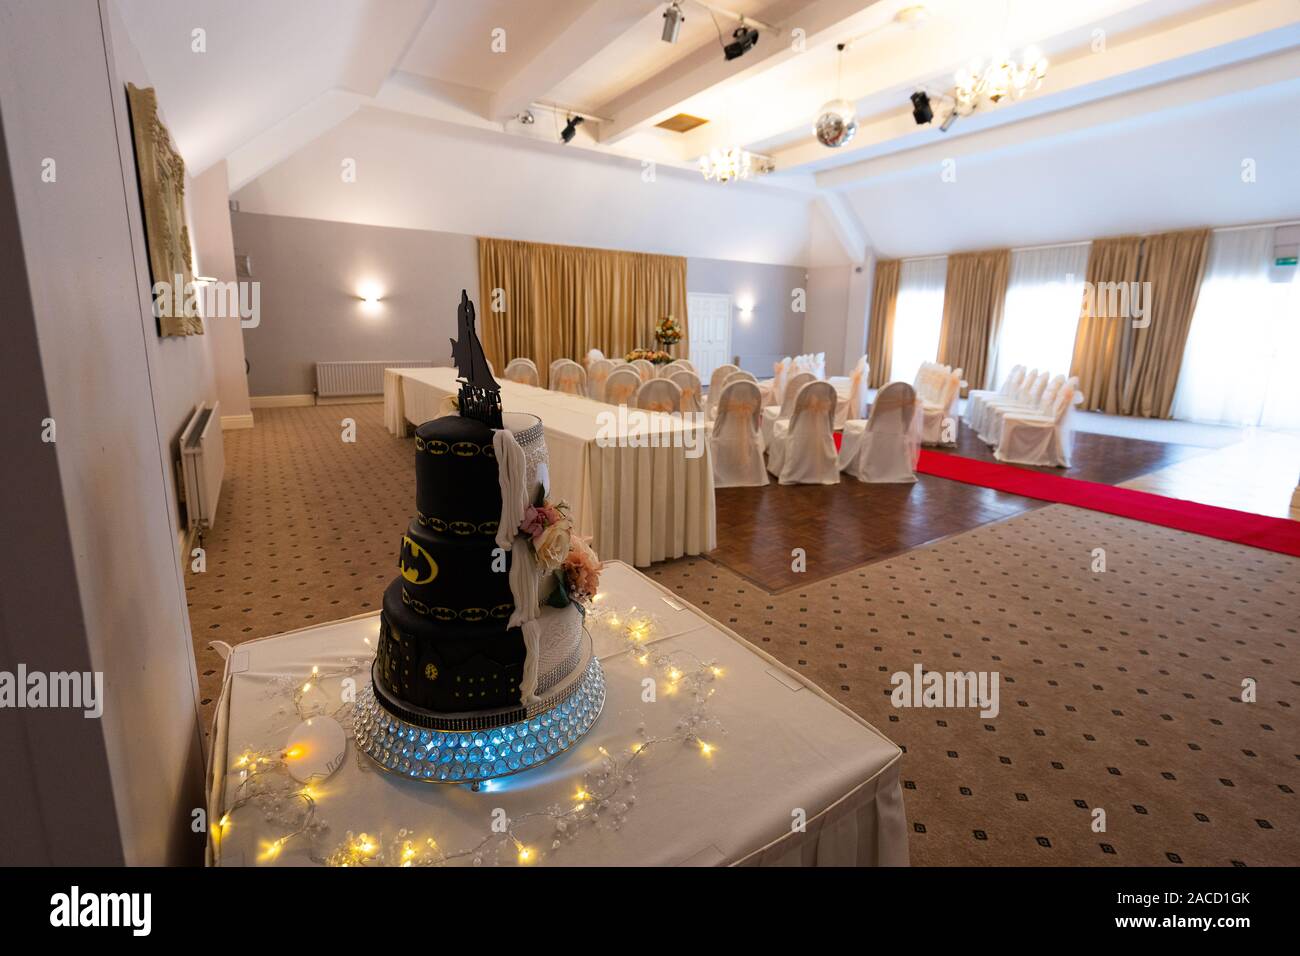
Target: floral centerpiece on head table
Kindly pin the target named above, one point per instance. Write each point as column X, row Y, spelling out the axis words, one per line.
column 657, row 356
column 668, row 332
column 561, row 552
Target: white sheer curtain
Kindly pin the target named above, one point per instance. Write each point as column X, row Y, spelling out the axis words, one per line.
column 1041, row 315
column 1239, row 366
column 918, row 315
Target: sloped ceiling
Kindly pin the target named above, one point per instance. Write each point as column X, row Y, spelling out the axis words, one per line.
column 262, row 61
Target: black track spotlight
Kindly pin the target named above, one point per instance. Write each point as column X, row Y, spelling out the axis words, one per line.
column 742, row 41
column 922, row 111
column 673, row 20
column 570, row 128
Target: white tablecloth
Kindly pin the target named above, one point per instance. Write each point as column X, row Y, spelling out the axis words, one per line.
column 785, row 746
column 639, row 505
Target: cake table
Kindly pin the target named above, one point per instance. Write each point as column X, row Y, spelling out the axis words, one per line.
column 791, row 777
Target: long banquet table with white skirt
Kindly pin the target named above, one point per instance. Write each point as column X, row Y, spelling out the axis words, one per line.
column 789, row 777
column 640, row 503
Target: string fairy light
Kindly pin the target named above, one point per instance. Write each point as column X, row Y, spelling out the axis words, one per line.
column 602, row 800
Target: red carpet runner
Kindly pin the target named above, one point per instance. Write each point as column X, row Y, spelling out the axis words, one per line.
column 1257, row 531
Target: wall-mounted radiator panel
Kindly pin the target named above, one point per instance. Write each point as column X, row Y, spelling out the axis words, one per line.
column 203, row 463
column 337, row 379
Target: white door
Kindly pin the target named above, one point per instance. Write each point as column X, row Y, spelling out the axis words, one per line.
column 709, row 315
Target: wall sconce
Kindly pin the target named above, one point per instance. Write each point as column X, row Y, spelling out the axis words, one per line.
column 746, row 309
column 371, row 296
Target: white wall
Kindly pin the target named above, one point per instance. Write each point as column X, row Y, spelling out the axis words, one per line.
column 92, row 570
column 416, row 173
column 214, row 257
column 182, row 377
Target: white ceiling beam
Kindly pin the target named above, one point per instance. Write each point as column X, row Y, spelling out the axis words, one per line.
column 845, row 225
column 1214, row 41
column 589, row 27
column 381, row 42
column 658, row 97
column 272, row 146
column 1066, row 125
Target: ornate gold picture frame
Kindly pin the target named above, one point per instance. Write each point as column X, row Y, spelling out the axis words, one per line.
column 161, row 173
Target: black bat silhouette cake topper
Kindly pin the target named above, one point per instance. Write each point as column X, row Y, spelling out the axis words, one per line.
column 480, row 394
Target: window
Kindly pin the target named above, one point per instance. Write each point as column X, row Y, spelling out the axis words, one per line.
column 918, row 316
column 1239, row 365
column 1041, row 314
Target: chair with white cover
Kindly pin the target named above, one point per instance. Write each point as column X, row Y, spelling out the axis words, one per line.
column 802, row 451
column 1043, row 440
column 943, row 408
column 644, row 367
column 774, row 391
column 667, row 370
column 1030, row 390
column 659, row 395
column 692, row 393
column 569, row 377
column 775, row 413
column 856, row 405
column 737, row 443
column 978, row 396
column 885, row 448
column 523, row 371
column 740, row 375
column 621, row 386
column 597, row 374
column 715, row 385
column 593, row 355
column 1039, row 401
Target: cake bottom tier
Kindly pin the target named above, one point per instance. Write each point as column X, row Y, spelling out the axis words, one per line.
column 453, row 668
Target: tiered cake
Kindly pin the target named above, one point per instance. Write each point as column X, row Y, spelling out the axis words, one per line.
column 474, row 677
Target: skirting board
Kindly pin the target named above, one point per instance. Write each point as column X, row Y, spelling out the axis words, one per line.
column 296, row 401
column 234, row 422
column 281, row 401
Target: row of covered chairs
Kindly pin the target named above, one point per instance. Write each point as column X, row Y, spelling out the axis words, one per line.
column 938, row 387
column 619, row 383
column 1027, row 419
column 797, row 435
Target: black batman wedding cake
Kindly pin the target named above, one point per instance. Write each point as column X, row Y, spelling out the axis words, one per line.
column 483, row 668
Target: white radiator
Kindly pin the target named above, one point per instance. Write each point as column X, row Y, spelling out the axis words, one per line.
column 203, row 463
column 334, row 379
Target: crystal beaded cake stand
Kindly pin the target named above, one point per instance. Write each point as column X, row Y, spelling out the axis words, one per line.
column 476, row 746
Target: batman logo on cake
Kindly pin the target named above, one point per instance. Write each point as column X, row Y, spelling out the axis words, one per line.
column 462, row 527
column 416, row 564
column 465, row 449
column 474, row 614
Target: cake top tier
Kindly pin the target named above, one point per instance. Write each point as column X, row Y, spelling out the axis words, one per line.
column 456, row 482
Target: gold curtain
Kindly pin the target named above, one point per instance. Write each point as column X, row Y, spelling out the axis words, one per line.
column 1099, row 341
column 1174, row 264
column 880, row 334
column 1151, row 281
column 545, row 302
column 975, row 291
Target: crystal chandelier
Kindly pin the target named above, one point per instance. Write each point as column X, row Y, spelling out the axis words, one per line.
column 732, row 162
column 1003, row 77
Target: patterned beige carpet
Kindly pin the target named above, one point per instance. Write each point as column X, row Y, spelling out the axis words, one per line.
column 1120, row 690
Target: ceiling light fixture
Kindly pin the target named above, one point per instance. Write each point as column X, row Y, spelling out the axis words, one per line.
column 743, row 39
column 527, row 118
column 730, row 163
column 978, row 85
column 673, row 20
column 571, row 128
column 922, row 111
column 837, row 122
